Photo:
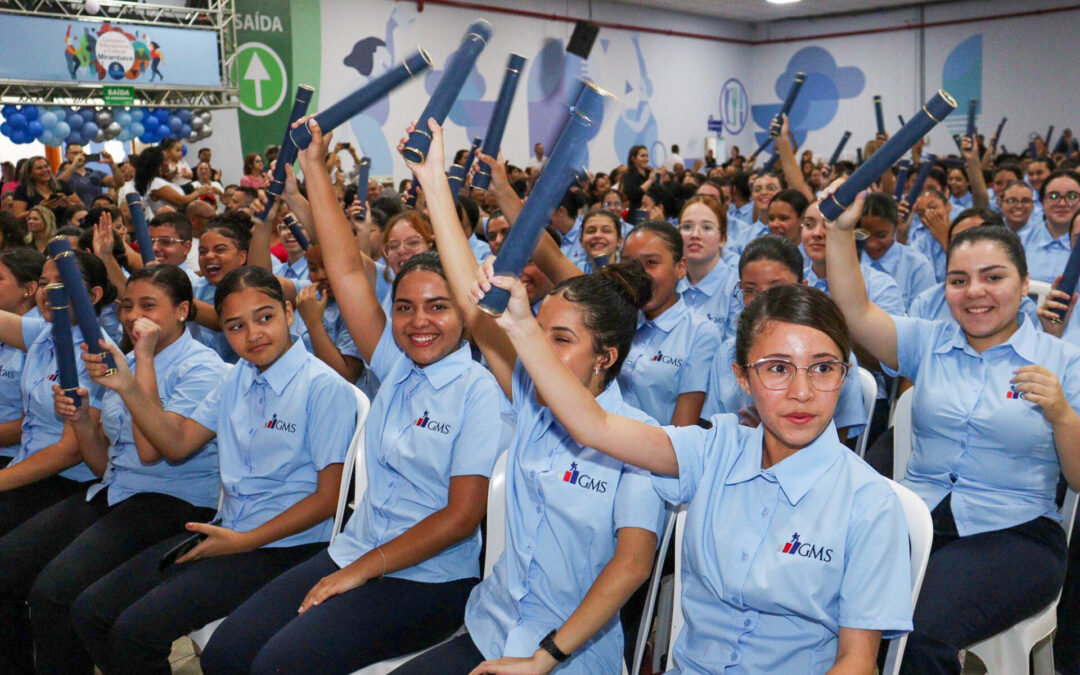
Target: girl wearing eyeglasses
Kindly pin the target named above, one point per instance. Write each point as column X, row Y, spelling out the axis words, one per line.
column 765, row 187
column 709, row 285
column 1047, row 248
column 994, row 426
column 795, row 551
column 1017, row 203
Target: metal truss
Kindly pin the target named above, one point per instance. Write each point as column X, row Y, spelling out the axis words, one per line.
column 216, row 15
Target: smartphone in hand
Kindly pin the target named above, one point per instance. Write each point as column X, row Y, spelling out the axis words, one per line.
column 183, row 547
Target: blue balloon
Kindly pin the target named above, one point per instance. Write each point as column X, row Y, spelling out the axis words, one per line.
column 17, row 121
column 87, row 114
column 163, row 132
column 62, row 130
column 18, row 136
column 137, row 129
column 8, row 110
column 48, row 120
column 30, row 112
column 5, row 129
column 34, row 128
column 185, row 131
column 150, row 123
column 123, row 118
column 148, row 138
column 137, row 115
column 162, row 115
column 124, row 135
column 90, row 129
column 175, row 125
column 75, row 121
column 184, row 114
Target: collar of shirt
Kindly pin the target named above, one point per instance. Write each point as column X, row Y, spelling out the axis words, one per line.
column 797, row 473
column 1023, row 341
column 1042, row 238
column 668, row 319
column 445, row 370
column 279, row 374
column 888, row 262
column 814, row 280
column 711, row 282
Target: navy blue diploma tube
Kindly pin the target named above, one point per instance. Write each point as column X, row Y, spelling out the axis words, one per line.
column 920, row 179
column 66, row 371
column 457, row 69
column 997, row 134
column 789, row 102
column 550, row 188
column 879, row 113
column 760, row 149
column 362, row 98
column 901, row 118
column 901, row 179
column 458, row 172
column 1069, row 280
column 59, row 249
column 934, row 111
column 1049, row 135
column 362, row 184
column 839, row 148
column 287, row 150
column 973, row 104
column 499, row 116
column 297, row 231
column 142, row 230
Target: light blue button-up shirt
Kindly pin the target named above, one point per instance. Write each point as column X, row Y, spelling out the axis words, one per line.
column 480, row 249
column 187, row 371
column 426, row 426
column 335, row 327
column 931, row 304
column 777, row 560
column 11, row 368
column 295, row 271
column 724, row 394
column 747, row 234
column 214, row 339
column 565, row 505
column 275, row 431
column 670, row 355
column 1046, row 255
column 971, row 435
column 713, row 296
column 41, row 427
column 739, row 218
column 384, row 281
column 923, row 241
column 964, row 201
column 910, row 269
column 1072, row 328
column 110, row 323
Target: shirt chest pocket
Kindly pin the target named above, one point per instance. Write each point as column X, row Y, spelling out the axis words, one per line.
column 276, row 448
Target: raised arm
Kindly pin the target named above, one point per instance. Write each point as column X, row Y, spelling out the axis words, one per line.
column 788, row 162
column 625, row 439
column 341, row 253
column 11, row 332
column 870, row 325
column 459, row 263
column 974, row 170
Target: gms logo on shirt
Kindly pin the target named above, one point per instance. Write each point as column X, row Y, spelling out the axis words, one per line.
column 10, row 374
column 667, row 360
column 584, row 481
column 796, row 547
column 280, row 425
column 425, row 422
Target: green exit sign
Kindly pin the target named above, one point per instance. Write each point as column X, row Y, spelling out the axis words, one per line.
column 118, row 95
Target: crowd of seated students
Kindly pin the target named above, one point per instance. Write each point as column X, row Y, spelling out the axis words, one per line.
column 682, row 336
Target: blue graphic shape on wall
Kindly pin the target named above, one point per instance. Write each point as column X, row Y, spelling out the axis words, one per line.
column 819, row 99
column 637, row 124
column 553, row 85
column 961, row 76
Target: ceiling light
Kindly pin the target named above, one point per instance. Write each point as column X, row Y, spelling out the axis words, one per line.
column 782, row 2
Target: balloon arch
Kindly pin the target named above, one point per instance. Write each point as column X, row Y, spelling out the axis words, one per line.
column 54, row 125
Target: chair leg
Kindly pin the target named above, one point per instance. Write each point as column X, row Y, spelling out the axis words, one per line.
column 1042, row 657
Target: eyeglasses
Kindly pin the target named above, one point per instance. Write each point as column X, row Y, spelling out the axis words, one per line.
column 1071, row 196
column 613, row 205
column 410, row 244
column 766, row 188
column 1013, row 201
column 166, row 241
column 777, row 374
column 705, row 228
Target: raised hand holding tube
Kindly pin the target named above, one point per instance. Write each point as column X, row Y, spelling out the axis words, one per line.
column 79, row 298
column 287, row 150
column 297, row 231
column 973, row 106
column 362, row 181
column 920, row 179
column 142, row 230
column 901, row 179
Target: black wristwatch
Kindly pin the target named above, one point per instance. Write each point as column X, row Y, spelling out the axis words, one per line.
column 549, row 646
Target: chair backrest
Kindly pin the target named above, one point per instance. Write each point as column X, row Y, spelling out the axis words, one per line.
column 1068, row 513
column 1038, row 290
column 869, row 398
column 495, row 536
column 654, row 589
column 677, row 619
column 354, row 463
column 920, row 538
column 902, row 438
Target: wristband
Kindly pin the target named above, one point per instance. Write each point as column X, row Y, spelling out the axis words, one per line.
column 549, row 646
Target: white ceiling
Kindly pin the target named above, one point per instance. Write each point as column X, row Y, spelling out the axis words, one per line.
column 760, row 10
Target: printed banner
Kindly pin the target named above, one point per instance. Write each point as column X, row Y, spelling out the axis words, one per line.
column 109, row 53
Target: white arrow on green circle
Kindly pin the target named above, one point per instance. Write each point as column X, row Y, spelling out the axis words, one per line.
column 256, row 73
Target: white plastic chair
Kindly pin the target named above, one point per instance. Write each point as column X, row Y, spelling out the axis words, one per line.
column 902, row 434
column 921, row 537
column 1007, row 652
column 654, row 589
column 494, row 545
column 869, row 399
column 677, row 619
column 1038, row 290
column 353, row 458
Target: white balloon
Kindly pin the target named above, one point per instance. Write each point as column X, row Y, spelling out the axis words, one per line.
column 92, row 7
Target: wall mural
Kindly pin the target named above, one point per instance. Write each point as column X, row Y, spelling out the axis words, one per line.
column 961, row 76
column 818, row 101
